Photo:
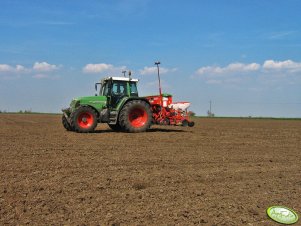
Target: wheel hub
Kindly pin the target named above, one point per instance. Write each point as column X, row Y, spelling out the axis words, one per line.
column 85, row 120
column 138, row 117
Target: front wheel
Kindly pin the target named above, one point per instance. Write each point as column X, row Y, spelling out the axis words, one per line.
column 185, row 123
column 135, row 116
column 66, row 124
column 84, row 119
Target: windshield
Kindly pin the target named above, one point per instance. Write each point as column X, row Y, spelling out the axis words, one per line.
column 119, row 88
column 104, row 89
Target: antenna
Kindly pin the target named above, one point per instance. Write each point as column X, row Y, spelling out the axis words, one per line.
column 130, row 73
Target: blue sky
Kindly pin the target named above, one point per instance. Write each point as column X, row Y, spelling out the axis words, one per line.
column 243, row 55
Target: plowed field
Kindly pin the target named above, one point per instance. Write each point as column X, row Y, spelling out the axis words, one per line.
column 221, row 172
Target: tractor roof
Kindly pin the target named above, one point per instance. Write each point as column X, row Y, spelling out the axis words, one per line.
column 121, row 79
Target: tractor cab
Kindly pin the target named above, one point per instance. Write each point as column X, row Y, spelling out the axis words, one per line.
column 116, row 88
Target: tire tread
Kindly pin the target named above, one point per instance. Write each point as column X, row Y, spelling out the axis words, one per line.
column 74, row 115
column 124, row 116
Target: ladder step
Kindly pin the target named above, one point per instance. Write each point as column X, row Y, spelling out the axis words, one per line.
column 113, row 117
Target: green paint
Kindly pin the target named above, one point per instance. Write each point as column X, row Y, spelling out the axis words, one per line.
column 112, row 96
column 282, row 214
column 97, row 102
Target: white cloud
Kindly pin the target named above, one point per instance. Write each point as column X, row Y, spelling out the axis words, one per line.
column 6, row 68
column 154, row 70
column 44, row 67
column 243, row 67
column 286, row 66
column 231, row 68
column 20, row 68
column 286, row 71
column 38, row 71
column 39, row 67
column 148, row 70
column 102, row 67
column 10, row 69
column 97, row 68
column 289, row 65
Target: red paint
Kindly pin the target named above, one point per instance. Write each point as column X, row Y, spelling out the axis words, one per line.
column 85, row 120
column 163, row 112
column 138, row 117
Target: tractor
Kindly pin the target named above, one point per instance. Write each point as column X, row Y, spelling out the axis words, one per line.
column 119, row 105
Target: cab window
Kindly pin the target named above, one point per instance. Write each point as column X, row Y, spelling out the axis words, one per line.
column 133, row 87
column 119, row 88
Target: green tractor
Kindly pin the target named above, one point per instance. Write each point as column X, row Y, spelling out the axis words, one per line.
column 117, row 104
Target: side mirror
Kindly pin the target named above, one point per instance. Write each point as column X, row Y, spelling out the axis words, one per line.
column 97, row 83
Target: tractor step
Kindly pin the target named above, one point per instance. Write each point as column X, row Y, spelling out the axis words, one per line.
column 113, row 117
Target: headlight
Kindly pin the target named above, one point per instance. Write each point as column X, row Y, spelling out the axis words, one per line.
column 77, row 103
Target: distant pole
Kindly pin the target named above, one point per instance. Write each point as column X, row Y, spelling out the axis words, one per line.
column 157, row 63
column 210, row 108
column 160, row 91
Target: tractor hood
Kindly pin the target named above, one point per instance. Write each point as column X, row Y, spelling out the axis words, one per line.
column 90, row 98
column 97, row 102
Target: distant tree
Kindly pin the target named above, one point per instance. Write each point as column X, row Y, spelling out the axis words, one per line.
column 21, row 111
column 0, row 111
column 191, row 113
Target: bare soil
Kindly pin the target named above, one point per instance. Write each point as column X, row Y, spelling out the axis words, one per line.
column 221, row 172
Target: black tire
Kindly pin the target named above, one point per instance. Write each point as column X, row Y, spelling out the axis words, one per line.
column 191, row 124
column 185, row 123
column 66, row 124
column 84, row 119
column 135, row 116
column 116, row 127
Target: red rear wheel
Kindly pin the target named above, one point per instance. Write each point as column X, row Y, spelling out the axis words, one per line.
column 135, row 116
column 138, row 117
